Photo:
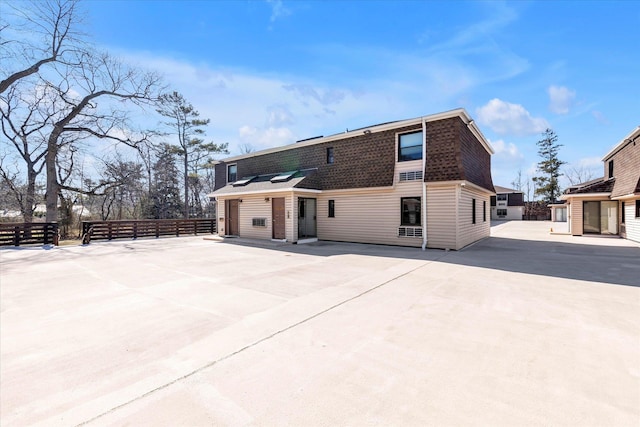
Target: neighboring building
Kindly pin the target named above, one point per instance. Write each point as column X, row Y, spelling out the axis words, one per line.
column 558, row 212
column 610, row 205
column 507, row 204
column 419, row 182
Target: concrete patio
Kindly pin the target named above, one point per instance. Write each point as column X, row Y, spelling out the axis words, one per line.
column 523, row 328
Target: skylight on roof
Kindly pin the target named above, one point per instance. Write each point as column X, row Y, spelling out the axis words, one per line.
column 283, row 176
column 244, row 181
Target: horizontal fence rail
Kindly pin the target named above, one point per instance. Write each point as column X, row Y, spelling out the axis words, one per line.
column 28, row 233
column 109, row 230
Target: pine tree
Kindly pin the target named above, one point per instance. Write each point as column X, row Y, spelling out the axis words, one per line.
column 165, row 201
column 547, row 184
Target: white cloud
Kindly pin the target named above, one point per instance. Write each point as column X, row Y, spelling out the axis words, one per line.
column 560, row 99
column 261, row 138
column 590, row 162
column 600, row 118
column 506, row 118
column 504, row 149
column 278, row 10
column 265, row 110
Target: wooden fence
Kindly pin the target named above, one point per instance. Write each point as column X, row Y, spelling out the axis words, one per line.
column 28, row 233
column 109, row 230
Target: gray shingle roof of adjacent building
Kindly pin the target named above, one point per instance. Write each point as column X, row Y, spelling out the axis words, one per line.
column 599, row 186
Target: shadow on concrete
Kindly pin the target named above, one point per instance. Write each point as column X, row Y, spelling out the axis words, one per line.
column 619, row 265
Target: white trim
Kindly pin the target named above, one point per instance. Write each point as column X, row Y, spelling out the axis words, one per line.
column 459, row 183
column 626, row 197
column 282, row 190
column 620, row 145
column 583, row 195
column 459, row 112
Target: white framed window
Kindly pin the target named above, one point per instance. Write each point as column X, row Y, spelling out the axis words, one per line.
column 410, row 146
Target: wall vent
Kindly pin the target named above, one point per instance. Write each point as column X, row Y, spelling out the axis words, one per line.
column 410, row 232
column 411, row 176
column 259, row 222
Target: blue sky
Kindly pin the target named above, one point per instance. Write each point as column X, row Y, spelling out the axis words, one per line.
column 268, row 73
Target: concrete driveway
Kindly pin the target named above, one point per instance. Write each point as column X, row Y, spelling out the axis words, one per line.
column 523, row 328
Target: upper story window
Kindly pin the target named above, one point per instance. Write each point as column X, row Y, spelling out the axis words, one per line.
column 502, row 197
column 330, row 158
column 232, row 173
column 610, row 168
column 410, row 146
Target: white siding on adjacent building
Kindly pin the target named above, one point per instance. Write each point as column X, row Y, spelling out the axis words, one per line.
column 632, row 224
column 513, row 213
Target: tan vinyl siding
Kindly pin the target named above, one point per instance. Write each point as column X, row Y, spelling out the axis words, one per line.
column 467, row 231
column 575, row 213
column 255, row 206
column 632, row 224
column 291, row 229
column 366, row 216
column 251, row 207
column 441, row 217
column 221, row 216
column 409, row 166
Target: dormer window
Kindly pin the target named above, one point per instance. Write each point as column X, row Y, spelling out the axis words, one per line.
column 232, row 173
column 410, row 146
column 610, row 168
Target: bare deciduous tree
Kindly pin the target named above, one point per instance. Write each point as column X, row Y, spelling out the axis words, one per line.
column 24, row 119
column 578, row 174
column 43, row 32
column 99, row 77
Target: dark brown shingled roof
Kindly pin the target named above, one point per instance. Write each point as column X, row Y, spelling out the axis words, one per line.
column 595, row 187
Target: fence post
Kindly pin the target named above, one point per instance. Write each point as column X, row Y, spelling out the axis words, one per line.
column 109, row 235
column 177, row 228
column 46, row 233
column 56, row 236
column 135, row 230
column 157, row 230
column 195, row 227
column 16, row 235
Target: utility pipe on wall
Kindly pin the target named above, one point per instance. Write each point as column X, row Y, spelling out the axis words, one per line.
column 424, row 186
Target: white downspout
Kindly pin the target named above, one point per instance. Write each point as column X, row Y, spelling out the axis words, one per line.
column 424, row 186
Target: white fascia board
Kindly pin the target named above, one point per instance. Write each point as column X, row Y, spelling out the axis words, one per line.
column 459, row 182
column 459, row 112
column 626, row 196
column 584, row 195
column 281, row 190
column 626, row 140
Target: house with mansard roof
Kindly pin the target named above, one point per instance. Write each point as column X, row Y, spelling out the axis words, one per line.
column 611, row 204
column 423, row 182
column 507, row 204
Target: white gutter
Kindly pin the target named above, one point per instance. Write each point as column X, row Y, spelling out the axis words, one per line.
column 424, row 185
